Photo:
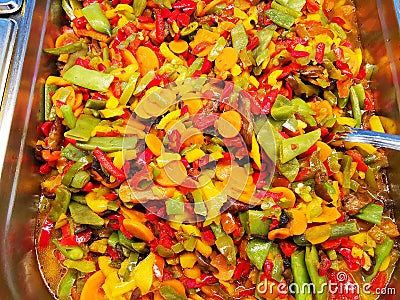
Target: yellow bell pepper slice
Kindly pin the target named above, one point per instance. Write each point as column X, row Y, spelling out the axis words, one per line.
column 143, row 273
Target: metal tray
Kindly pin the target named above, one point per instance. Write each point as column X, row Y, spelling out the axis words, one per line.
column 19, row 181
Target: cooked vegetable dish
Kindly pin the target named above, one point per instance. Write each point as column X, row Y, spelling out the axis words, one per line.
column 190, row 150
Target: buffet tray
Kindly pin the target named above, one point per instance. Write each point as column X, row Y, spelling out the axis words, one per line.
column 19, row 178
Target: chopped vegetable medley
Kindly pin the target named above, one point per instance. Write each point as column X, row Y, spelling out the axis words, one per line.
column 189, row 151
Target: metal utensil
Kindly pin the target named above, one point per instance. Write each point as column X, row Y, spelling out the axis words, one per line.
column 374, row 138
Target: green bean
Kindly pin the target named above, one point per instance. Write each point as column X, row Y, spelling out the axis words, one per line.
column 217, row 49
column 68, row 9
column 170, row 293
column 49, row 111
column 300, row 275
column 343, row 229
column 355, row 101
column 346, row 165
column 320, row 282
column 83, row 128
column 85, row 266
column 196, row 65
column 360, row 92
column 70, row 252
column 67, row 49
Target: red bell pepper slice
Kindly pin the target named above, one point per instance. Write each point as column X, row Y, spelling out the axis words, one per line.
column 379, row 282
column 106, row 162
column 45, row 169
column 45, row 233
column 339, row 280
column 299, row 54
column 253, row 43
column 324, row 265
column 80, row 23
column 352, row 263
column 268, row 266
column 319, row 53
column 113, row 253
column 287, row 248
column 332, row 244
column 208, row 236
column 359, row 159
column 159, row 26
column 183, row 20
column 338, row 20
column 187, row 6
column 45, row 128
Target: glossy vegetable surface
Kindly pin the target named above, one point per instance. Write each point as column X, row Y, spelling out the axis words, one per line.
column 189, row 152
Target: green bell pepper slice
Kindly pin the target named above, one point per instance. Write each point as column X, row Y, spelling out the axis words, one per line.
column 297, row 145
column 257, row 250
column 60, row 204
column 83, row 128
column 82, row 214
column 239, row 37
column 279, row 18
column 381, row 252
column 175, row 206
column 227, row 248
column 85, row 266
column 199, row 206
column 77, row 166
column 70, row 152
column 258, row 224
column 68, row 280
column 96, row 18
column 70, row 252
